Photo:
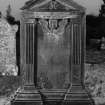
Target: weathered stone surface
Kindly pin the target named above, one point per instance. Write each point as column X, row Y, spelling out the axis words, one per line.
column 54, row 55
column 7, row 47
column 53, row 58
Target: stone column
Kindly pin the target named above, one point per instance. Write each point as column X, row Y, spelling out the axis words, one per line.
column 77, row 94
column 76, row 58
column 29, row 94
column 30, row 50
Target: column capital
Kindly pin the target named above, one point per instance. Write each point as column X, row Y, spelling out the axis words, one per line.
column 31, row 21
column 76, row 20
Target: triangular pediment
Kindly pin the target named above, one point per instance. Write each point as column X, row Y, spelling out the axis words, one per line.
column 52, row 5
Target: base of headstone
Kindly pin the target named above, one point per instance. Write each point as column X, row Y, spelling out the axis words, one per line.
column 53, row 96
column 28, row 96
column 77, row 95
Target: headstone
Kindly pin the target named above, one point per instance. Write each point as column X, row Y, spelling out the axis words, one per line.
column 7, row 48
column 103, row 43
column 52, row 43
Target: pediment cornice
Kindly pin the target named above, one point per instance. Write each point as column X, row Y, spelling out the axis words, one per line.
column 45, row 5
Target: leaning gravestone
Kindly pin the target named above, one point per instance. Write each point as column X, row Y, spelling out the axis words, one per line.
column 7, row 47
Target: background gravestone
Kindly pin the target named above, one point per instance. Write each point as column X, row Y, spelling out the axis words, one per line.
column 7, row 47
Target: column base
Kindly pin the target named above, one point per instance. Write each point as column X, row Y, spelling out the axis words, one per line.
column 28, row 96
column 77, row 95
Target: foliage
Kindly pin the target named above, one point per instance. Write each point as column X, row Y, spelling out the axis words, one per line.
column 95, row 27
column 95, row 82
column 8, row 84
column 94, row 30
column 102, row 10
column 95, row 75
column 11, row 20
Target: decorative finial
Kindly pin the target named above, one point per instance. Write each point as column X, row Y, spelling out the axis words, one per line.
column 8, row 11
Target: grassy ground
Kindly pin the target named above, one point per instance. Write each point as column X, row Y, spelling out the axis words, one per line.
column 94, row 78
column 95, row 75
column 8, row 84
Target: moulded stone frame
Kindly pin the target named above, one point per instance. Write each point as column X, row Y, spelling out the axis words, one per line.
column 76, row 94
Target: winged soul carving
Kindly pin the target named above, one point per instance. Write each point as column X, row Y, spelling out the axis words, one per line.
column 53, row 29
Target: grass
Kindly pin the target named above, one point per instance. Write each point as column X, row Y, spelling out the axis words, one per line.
column 94, row 78
column 95, row 75
column 8, row 84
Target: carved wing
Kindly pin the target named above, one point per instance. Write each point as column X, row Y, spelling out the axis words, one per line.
column 61, row 27
column 44, row 25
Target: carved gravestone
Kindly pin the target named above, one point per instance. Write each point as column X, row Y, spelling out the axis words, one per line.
column 7, row 47
column 52, row 54
column 103, row 43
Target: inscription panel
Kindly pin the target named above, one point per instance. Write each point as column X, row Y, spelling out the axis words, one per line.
column 54, row 55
